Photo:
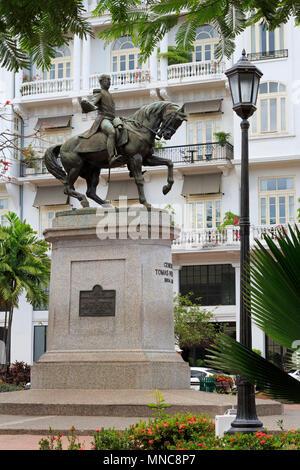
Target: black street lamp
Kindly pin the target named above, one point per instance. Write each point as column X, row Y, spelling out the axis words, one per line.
column 244, row 80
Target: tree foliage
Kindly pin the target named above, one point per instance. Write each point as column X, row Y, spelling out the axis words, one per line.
column 193, row 324
column 148, row 22
column 24, row 267
column 31, row 28
column 274, row 299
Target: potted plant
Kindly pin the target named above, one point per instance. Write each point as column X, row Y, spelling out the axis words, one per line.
column 29, row 159
column 222, row 138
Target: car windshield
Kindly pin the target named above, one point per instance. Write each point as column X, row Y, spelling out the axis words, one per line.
column 197, row 373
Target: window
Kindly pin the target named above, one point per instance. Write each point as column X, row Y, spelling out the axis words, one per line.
column 201, row 130
column 271, row 114
column 275, row 353
column 266, row 44
column 39, row 341
column 205, row 44
column 124, row 55
column 61, row 65
column 3, row 210
column 215, row 283
column 203, row 212
column 47, row 214
column 277, row 200
column 47, row 139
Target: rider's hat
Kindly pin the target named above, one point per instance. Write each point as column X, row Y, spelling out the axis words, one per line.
column 103, row 76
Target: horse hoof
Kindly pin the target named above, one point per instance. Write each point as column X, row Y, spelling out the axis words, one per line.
column 146, row 204
column 166, row 189
column 85, row 203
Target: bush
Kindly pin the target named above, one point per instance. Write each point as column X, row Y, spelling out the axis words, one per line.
column 17, row 374
column 259, row 441
column 10, row 388
column 156, row 434
column 224, row 383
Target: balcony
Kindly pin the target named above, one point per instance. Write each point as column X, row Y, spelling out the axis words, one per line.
column 279, row 54
column 197, row 153
column 46, row 87
column 179, row 154
column 195, row 71
column 123, row 80
column 225, row 238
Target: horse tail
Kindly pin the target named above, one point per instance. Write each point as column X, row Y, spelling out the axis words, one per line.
column 52, row 166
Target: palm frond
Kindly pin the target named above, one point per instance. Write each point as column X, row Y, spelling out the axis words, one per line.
column 234, row 358
column 274, row 293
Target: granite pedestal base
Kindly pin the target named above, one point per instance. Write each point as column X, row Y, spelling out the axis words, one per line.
column 111, row 303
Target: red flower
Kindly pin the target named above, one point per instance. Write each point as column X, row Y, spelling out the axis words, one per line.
column 151, row 441
column 6, row 103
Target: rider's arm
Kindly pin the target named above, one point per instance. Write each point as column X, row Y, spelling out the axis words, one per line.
column 96, row 99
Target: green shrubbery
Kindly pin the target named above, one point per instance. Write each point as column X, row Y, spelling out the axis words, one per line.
column 181, row 432
column 16, row 374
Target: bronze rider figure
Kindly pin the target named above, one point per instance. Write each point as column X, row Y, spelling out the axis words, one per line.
column 106, row 120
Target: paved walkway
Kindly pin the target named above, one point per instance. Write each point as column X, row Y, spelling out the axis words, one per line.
column 24, row 432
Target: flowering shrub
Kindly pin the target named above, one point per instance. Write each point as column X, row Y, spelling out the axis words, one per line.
column 154, row 434
column 183, row 432
column 259, row 441
column 54, row 441
column 17, row 374
column 224, row 383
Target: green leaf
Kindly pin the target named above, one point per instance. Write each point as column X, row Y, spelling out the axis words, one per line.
column 234, row 358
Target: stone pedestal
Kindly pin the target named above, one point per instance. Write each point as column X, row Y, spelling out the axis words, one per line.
column 111, row 303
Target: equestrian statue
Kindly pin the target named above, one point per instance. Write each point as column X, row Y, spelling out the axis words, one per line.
column 114, row 142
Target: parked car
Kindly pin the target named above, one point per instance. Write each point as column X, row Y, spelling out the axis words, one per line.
column 197, row 372
column 295, row 374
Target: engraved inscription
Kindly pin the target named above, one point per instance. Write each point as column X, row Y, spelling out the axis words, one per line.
column 166, row 272
column 97, row 302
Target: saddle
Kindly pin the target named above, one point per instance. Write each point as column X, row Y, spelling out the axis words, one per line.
column 97, row 141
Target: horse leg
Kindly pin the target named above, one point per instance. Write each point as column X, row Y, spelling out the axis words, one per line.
column 73, row 174
column 135, row 167
column 153, row 160
column 92, row 181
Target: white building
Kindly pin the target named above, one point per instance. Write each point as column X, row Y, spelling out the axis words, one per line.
column 207, row 174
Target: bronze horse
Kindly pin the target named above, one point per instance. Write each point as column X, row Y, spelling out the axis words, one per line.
column 86, row 158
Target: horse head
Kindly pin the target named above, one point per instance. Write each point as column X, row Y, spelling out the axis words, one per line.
column 172, row 118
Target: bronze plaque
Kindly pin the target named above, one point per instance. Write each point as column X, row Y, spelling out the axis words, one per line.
column 97, row 302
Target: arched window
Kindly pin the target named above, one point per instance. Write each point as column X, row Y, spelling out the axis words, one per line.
column 205, row 44
column 124, row 55
column 271, row 114
column 61, row 64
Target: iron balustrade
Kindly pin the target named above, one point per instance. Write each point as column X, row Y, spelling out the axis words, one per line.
column 279, row 54
column 184, row 154
column 196, row 153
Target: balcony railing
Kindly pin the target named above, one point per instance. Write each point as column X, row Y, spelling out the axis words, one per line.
column 279, row 54
column 39, row 87
column 35, row 166
column 229, row 236
column 127, row 78
column 197, row 153
column 193, row 70
column 184, row 154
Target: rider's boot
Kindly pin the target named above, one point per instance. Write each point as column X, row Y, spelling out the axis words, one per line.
column 113, row 159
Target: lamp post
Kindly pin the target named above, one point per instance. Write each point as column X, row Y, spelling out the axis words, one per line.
column 244, row 80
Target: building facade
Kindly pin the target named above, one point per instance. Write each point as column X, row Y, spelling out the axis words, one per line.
column 207, row 170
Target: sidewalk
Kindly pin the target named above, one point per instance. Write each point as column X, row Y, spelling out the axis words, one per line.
column 24, row 432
